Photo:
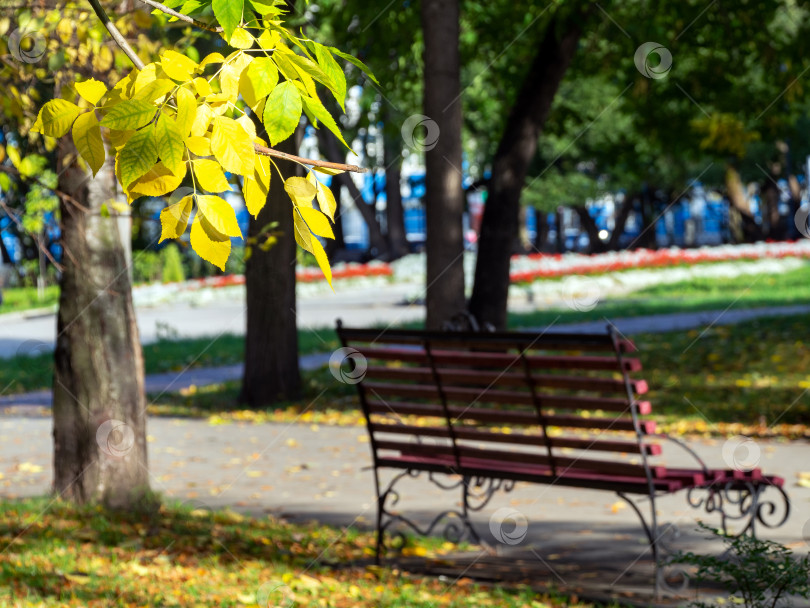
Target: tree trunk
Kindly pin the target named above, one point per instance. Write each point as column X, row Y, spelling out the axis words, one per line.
column 394, row 213
column 516, row 150
column 541, row 235
column 596, row 245
column 444, row 195
column 744, row 226
column 271, row 340
column 376, row 242
column 559, row 222
column 99, row 406
column 619, row 222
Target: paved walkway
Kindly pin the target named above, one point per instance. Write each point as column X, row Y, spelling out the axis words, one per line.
column 579, row 539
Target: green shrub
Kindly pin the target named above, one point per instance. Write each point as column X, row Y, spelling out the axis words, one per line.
column 146, row 266
column 173, row 271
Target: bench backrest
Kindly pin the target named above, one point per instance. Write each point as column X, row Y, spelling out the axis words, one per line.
column 559, row 401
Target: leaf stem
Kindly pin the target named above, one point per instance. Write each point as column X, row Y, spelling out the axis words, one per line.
column 182, row 17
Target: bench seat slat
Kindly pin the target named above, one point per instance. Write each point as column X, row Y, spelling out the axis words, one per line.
column 508, row 416
column 473, row 395
column 465, row 377
column 500, row 360
column 563, row 464
column 538, row 474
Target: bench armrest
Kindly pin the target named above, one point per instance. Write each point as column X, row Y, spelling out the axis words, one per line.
column 683, row 445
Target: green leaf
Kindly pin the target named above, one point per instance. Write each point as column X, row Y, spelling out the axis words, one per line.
column 332, row 69
column 56, row 117
column 229, row 15
column 354, row 61
column 169, row 140
column 87, row 139
column 138, row 156
column 282, row 111
column 130, row 114
column 219, row 214
column 263, row 74
column 316, row 109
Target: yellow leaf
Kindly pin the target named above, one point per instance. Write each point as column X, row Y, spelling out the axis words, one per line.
column 257, row 186
column 302, row 234
column 186, row 110
column 209, row 175
column 174, row 219
column 268, row 39
column 155, row 91
column 56, row 117
column 232, row 146
column 326, row 200
column 202, row 87
column 202, row 120
column 144, row 77
column 118, row 139
column 212, row 58
column 91, row 90
column 87, row 139
column 210, row 245
column 241, row 39
column 159, row 180
column 263, row 75
column 323, row 261
column 300, row 190
column 219, row 214
column 201, row 146
column 247, row 124
column 177, row 66
column 317, row 222
column 169, row 139
column 327, row 171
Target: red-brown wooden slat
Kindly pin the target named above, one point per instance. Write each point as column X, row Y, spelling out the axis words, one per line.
column 466, row 377
column 508, row 417
column 476, row 395
column 504, row 361
column 474, row 434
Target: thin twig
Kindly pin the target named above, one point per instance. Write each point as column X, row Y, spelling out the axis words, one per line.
column 117, row 36
column 264, row 151
column 56, row 191
column 165, row 9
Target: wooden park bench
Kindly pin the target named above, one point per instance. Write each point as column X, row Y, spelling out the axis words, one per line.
column 493, row 409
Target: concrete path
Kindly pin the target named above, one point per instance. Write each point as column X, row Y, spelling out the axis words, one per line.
column 579, row 539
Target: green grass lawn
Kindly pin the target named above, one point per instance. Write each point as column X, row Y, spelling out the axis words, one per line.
column 16, row 299
column 52, row 554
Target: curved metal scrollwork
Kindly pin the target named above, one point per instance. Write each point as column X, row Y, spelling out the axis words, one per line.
column 480, row 491
column 741, row 501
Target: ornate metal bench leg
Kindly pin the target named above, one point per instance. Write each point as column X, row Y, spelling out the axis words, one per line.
column 651, row 530
column 466, row 510
column 743, row 503
column 380, row 507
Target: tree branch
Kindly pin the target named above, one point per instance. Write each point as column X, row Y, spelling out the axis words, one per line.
column 307, row 161
column 117, row 36
column 122, row 43
column 182, row 17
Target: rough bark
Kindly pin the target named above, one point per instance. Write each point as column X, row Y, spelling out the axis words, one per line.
column 99, row 405
column 619, row 222
column 271, row 340
column 378, row 247
column 444, row 195
column 515, row 151
column 394, row 213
